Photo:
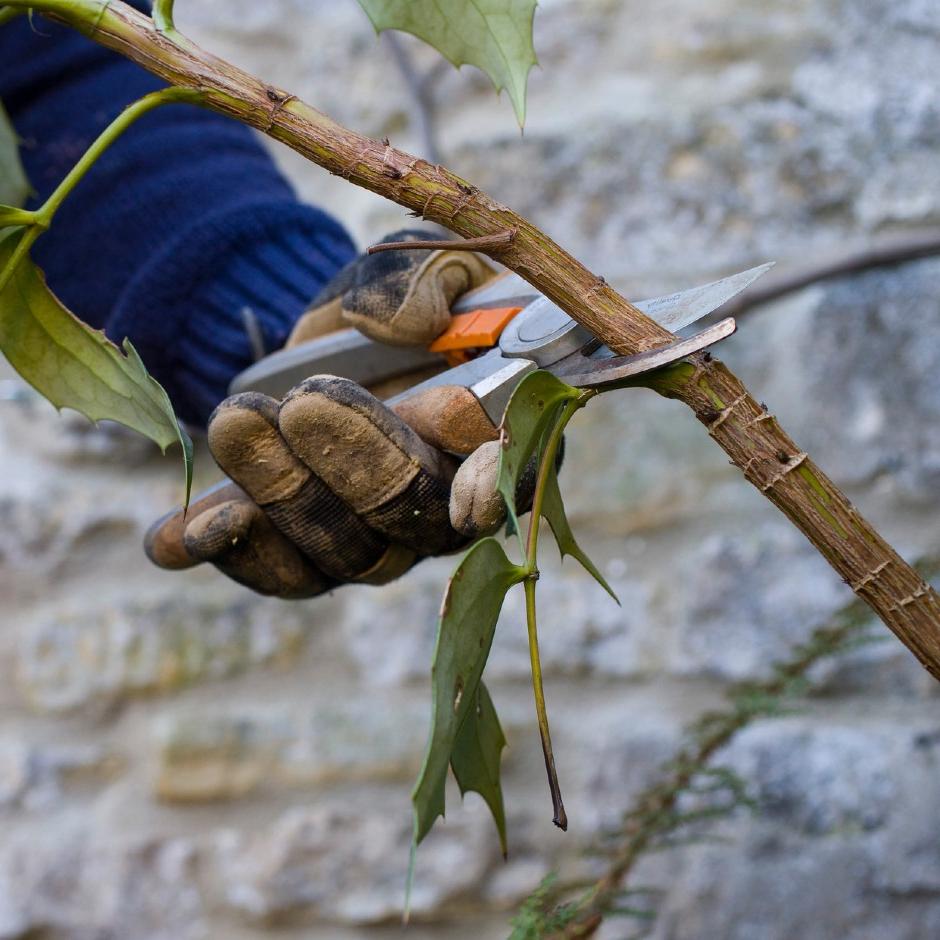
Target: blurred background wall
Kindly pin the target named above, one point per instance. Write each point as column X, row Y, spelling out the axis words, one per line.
column 180, row 759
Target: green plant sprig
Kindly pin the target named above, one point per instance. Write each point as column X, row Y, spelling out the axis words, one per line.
column 531, row 431
column 545, row 470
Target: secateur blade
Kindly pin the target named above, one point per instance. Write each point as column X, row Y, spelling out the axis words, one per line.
column 683, row 308
column 589, row 372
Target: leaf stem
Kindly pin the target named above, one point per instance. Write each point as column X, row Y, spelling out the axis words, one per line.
column 548, row 456
column 163, row 15
column 19, row 253
column 560, row 817
column 547, row 461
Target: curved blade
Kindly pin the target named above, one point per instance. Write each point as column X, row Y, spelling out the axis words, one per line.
column 683, row 308
column 585, row 372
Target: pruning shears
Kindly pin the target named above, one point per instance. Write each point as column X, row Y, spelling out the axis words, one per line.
column 499, row 333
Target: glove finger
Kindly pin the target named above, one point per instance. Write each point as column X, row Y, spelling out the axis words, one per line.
column 163, row 541
column 402, row 298
column 244, row 439
column 241, row 542
column 369, row 457
column 476, row 506
column 448, row 417
column 317, row 322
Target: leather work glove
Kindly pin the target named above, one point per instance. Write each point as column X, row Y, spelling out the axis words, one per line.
column 331, row 486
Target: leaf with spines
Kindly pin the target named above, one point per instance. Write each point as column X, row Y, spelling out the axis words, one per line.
column 476, row 756
column 469, row 612
column 14, row 187
column 493, row 35
column 531, row 411
column 75, row 366
column 553, row 511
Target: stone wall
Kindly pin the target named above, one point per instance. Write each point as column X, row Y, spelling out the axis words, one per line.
column 180, row 759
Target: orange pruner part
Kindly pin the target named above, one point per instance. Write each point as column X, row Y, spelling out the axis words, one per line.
column 476, row 329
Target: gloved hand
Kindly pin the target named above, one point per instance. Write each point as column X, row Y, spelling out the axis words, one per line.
column 332, row 485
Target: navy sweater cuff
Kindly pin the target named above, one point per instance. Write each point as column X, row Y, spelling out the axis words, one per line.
column 184, row 308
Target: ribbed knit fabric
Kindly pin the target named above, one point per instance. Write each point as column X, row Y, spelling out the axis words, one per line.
column 181, row 225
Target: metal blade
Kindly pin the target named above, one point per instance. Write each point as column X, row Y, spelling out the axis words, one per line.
column 679, row 310
column 674, row 311
column 546, row 334
column 585, row 372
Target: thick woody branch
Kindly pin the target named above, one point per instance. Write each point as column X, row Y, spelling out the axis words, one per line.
column 752, row 438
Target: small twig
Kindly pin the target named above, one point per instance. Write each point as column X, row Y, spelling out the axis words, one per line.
column 483, row 243
column 908, row 247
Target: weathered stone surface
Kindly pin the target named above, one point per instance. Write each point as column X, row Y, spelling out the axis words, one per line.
column 664, row 147
column 34, row 778
column 68, row 884
column 227, row 754
column 820, row 780
column 330, row 862
column 93, row 656
column 814, row 858
column 776, row 884
column 738, row 614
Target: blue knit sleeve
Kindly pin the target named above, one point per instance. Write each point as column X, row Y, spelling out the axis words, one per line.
column 180, row 227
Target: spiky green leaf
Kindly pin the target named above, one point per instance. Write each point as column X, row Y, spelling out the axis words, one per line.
column 533, row 408
column 493, row 35
column 553, row 510
column 476, row 757
column 471, row 606
column 14, row 187
column 75, row 366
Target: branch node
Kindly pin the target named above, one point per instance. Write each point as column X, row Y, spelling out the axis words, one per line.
column 763, row 416
column 795, row 462
column 278, row 99
column 922, row 591
column 390, row 166
column 868, row 578
column 726, row 412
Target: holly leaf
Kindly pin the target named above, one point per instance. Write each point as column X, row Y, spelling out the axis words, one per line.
column 493, row 35
column 553, row 511
column 75, row 366
column 532, row 410
column 471, row 606
column 476, row 756
column 14, row 187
